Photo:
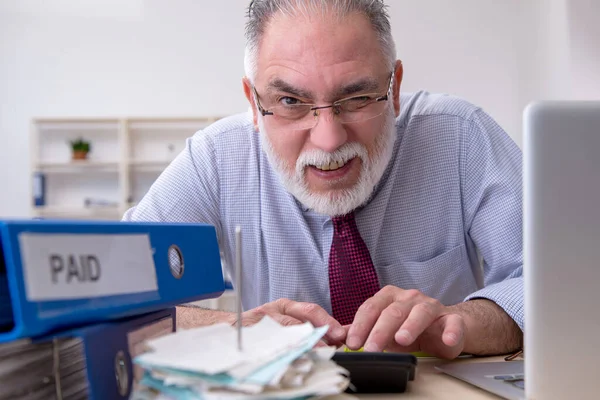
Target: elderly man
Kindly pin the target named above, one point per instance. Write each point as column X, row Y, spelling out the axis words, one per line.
column 361, row 207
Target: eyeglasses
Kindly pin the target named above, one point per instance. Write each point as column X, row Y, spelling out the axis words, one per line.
column 295, row 115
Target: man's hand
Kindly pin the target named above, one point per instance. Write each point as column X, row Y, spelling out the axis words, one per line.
column 404, row 321
column 407, row 320
column 288, row 312
column 284, row 311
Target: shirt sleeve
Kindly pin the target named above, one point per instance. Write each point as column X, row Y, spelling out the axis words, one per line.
column 492, row 200
column 186, row 191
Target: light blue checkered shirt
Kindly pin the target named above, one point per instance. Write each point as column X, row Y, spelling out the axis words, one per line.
column 451, row 194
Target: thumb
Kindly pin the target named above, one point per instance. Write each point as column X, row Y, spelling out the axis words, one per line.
column 445, row 338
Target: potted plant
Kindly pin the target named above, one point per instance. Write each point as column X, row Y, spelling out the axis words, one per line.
column 80, row 149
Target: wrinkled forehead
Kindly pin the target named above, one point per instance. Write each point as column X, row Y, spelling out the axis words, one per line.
column 320, row 54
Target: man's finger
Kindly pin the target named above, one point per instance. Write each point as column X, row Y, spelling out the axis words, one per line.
column 285, row 320
column 420, row 318
column 317, row 316
column 445, row 338
column 249, row 318
column 387, row 325
column 364, row 320
column 453, row 333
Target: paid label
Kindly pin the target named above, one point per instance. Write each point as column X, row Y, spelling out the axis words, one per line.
column 67, row 266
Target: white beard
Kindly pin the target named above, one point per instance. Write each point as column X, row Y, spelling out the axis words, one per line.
column 336, row 202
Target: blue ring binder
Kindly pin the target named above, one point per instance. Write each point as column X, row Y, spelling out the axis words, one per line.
column 22, row 317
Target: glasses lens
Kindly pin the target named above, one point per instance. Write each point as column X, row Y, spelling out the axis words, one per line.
column 297, row 116
column 355, row 104
column 353, row 110
column 292, row 112
column 361, row 109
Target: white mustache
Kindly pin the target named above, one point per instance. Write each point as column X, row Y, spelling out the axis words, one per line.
column 319, row 157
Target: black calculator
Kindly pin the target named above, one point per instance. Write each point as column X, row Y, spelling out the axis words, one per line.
column 377, row 372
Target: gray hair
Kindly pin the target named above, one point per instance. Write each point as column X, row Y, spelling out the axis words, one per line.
column 261, row 11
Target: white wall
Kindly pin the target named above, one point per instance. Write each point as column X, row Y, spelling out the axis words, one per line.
column 467, row 48
column 185, row 57
column 584, row 17
column 544, row 52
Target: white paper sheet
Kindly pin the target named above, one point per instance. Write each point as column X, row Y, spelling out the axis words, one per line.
column 276, row 362
column 213, row 349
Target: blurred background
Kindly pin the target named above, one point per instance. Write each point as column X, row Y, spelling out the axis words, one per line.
column 133, row 78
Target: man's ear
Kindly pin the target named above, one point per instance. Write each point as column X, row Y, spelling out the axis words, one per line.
column 248, row 92
column 398, row 73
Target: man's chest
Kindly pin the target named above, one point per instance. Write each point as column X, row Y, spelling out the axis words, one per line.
column 287, row 256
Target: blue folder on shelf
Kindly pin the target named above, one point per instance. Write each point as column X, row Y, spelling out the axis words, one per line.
column 92, row 362
column 60, row 274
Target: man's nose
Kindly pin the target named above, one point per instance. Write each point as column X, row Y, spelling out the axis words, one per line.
column 328, row 134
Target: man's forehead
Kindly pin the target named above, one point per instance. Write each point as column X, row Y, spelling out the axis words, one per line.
column 336, row 90
column 309, row 44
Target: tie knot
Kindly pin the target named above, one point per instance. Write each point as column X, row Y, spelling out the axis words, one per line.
column 343, row 221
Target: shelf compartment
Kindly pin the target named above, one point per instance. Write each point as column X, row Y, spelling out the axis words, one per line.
column 77, row 166
column 67, row 212
column 139, row 126
column 64, row 125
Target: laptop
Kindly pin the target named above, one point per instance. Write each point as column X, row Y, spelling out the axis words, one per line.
column 561, row 155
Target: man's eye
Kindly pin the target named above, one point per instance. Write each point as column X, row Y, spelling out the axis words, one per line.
column 356, row 103
column 289, row 101
column 361, row 99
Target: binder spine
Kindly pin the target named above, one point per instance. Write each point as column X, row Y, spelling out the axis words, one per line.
column 6, row 313
column 39, row 189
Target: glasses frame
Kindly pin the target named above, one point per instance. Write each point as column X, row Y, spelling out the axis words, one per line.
column 335, row 106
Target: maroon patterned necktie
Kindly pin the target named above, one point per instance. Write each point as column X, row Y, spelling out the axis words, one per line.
column 352, row 276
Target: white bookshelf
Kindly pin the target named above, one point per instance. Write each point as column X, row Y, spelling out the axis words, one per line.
column 126, row 157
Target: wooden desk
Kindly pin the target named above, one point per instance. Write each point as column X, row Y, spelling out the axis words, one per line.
column 431, row 384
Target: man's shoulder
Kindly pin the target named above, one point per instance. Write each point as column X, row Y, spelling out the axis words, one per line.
column 227, row 142
column 233, row 127
column 424, row 103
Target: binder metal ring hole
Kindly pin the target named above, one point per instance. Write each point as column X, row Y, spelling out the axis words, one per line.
column 176, row 261
column 121, row 374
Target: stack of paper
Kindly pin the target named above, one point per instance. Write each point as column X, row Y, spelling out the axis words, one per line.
column 275, row 362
